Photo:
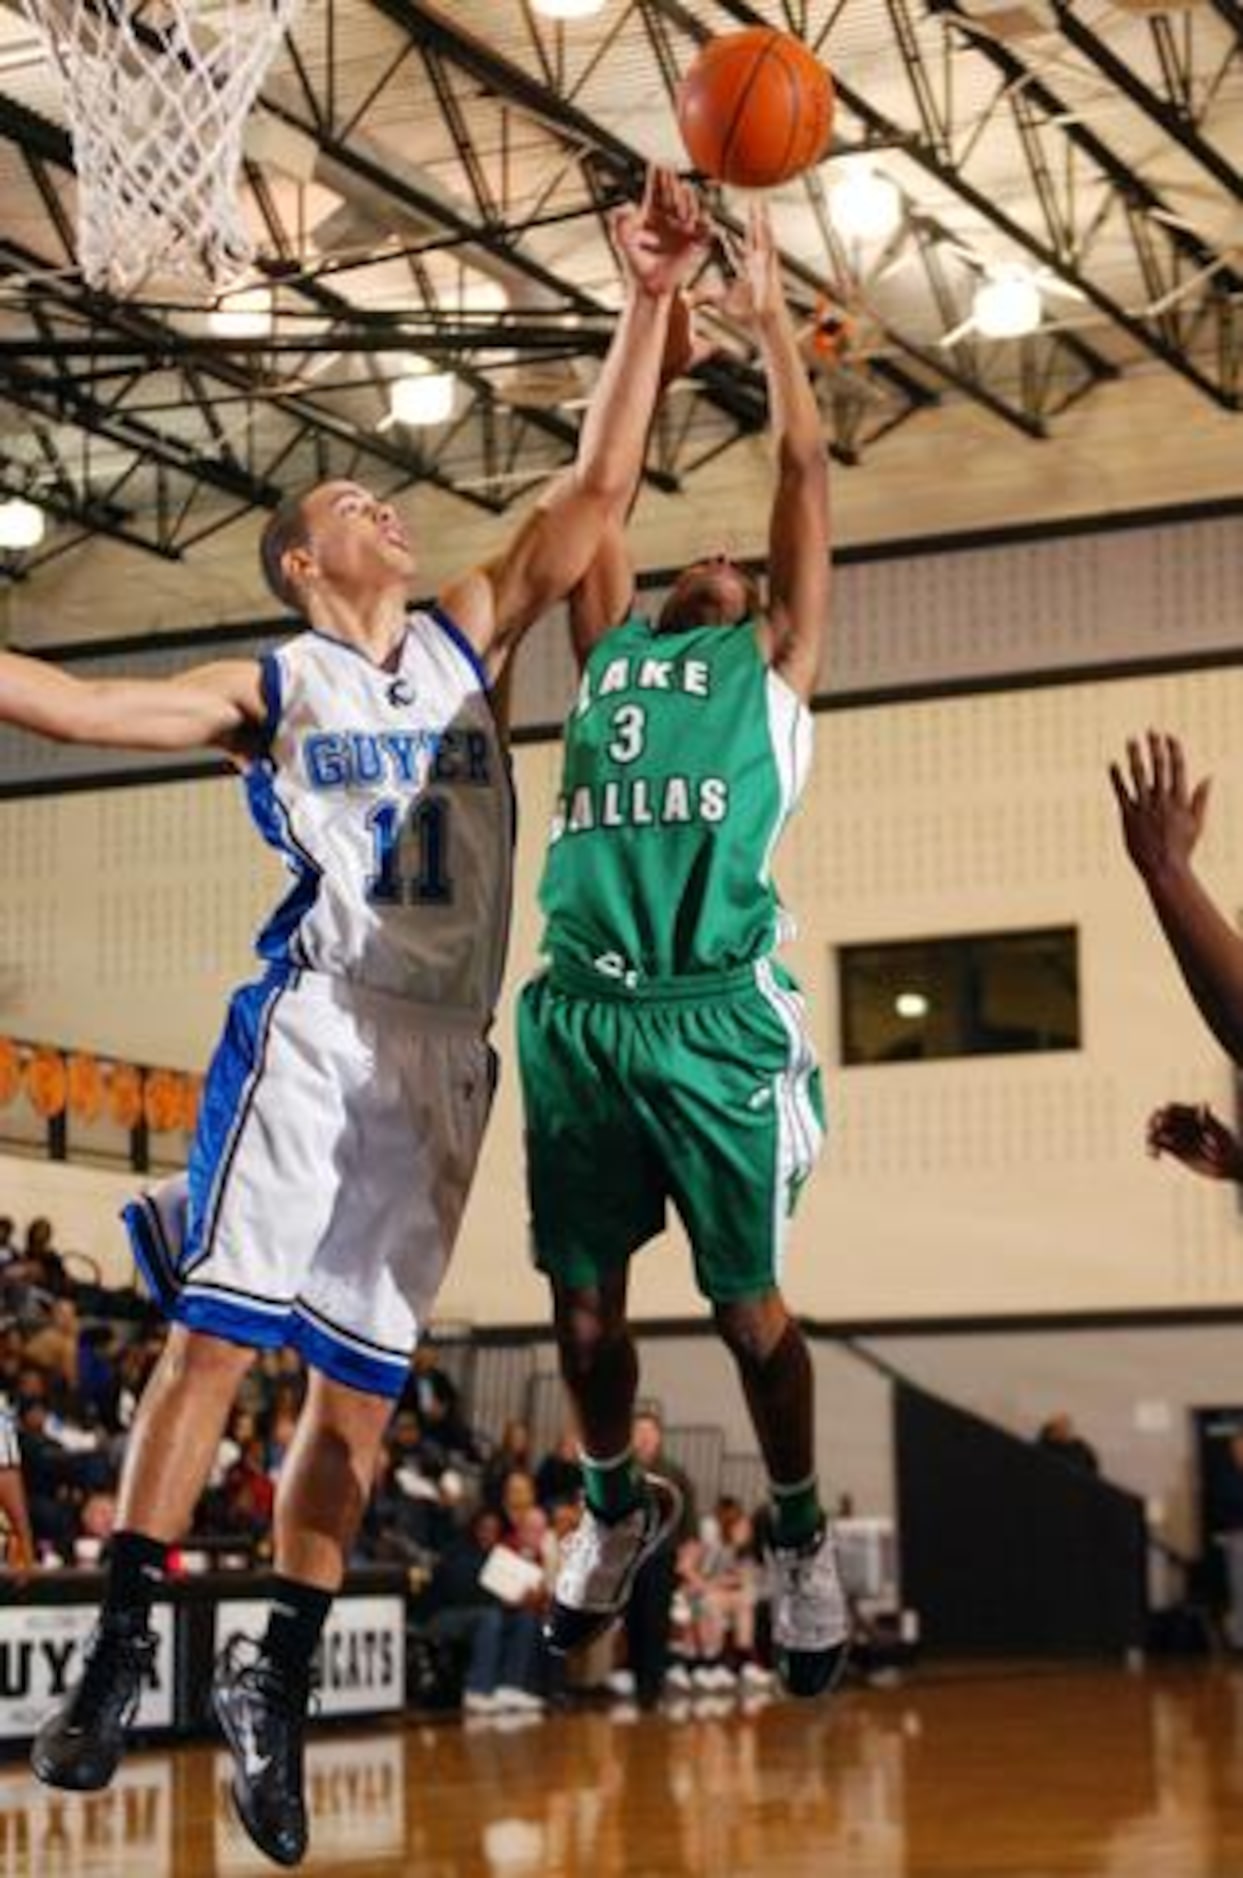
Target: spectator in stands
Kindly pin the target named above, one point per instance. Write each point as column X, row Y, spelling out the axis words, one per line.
column 41, row 1264
column 719, row 1574
column 1059, row 1436
column 559, row 1476
column 651, row 1601
column 248, row 1493
column 54, row 1346
column 436, row 1399
column 99, row 1386
column 51, row 1477
column 18, row 1553
column 512, row 1454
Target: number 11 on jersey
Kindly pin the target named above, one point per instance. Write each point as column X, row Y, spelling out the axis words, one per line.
column 427, row 826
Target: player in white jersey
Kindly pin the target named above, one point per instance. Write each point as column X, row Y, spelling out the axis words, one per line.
column 345, row 1105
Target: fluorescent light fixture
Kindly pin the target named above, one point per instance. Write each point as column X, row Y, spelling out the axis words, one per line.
column 1007, row 306
column 568, row 9
column 911, row 1004
column 421, row 396
column 244, row 315
column 865, row 204
column 22, row 524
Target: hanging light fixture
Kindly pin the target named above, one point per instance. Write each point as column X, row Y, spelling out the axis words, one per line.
column 568, row 9
column 22, row 524
column 1007, row 305
column 244, row 315
column 865, row 204
column 421, row 396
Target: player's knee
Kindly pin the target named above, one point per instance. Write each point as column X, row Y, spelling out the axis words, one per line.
column 753, row 1328
column 190, row 1356
column 589, row 1331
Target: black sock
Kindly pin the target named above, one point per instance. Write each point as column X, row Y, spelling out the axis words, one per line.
column 295, row 1622
column 136, row 1567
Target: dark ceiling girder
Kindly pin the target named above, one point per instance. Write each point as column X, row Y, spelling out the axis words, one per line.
column 30, row 131
column 64, row 503
column 429, row 24
column 1176, row 124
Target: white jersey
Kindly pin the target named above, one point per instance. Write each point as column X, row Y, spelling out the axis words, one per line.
column 388, row 793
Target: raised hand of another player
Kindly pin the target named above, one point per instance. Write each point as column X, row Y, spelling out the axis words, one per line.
column 754, row 296
column 685, row 345
column 1193, row 1135
column 1161, row 819
column 664, row 238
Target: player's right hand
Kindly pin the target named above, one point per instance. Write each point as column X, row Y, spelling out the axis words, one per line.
column 1192, row 1134
column 664, row 238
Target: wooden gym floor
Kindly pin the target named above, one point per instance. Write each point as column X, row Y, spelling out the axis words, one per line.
column 1035, row 1772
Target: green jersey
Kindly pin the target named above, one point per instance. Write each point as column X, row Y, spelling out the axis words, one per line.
column 684, row 755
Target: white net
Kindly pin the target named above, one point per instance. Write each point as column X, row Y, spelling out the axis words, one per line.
column 156, row 95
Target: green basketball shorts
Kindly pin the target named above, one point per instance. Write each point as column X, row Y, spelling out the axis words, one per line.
column 705, row 1094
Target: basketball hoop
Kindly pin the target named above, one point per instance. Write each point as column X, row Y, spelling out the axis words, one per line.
column 156, row 94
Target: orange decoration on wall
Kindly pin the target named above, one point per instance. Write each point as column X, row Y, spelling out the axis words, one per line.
column 125, row 1095
column 86, row 1087
column 47, row 1083
column 10, row 1071
column 162, row 1100
column 191, row 1095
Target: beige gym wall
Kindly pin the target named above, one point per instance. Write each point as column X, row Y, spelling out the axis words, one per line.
column 1000, row 1185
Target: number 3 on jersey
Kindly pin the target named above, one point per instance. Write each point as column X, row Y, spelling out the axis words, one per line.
column 629, row 732
column 428, row 827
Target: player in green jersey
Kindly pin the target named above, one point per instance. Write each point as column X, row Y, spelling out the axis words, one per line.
column 664, row 1055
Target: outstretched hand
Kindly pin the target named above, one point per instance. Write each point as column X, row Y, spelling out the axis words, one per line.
column 1193, row 1135
column 754, row 294
column 662, row 239
column 1161, row 820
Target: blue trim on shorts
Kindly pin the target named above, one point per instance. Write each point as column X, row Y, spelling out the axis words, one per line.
column 463, row 644
column 150, row 1250
column 232, row 1081
column 374, row 1375
column 236, row 1323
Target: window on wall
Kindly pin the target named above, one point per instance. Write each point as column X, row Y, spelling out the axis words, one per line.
column 978, row 994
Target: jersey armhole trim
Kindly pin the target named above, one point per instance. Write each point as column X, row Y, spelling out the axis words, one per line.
column 270, row 685
column 450, row 627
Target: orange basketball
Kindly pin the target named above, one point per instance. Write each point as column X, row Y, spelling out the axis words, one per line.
column 755, row 108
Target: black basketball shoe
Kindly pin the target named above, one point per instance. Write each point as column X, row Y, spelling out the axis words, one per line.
column 263, row 1717
column 81, row 1743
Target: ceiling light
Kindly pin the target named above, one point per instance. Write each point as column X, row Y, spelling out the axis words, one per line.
column 245, row 315
column 22, row 524
column 865, row 204
column 422, row 396
column 1007, row 306
column 911, row 1004
column 568, row 9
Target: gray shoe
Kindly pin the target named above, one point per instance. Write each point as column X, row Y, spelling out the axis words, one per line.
column 600, row 1563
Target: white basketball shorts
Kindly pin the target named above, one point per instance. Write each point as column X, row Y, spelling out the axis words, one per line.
column 337, row 1140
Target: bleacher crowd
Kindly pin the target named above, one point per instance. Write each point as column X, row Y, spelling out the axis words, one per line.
column 475, row 1517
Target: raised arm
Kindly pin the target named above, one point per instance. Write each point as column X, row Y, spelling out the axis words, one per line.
column 495, row 604
column 798, row 530
column 1161, row 823
column 216, row 706
column 603, row 596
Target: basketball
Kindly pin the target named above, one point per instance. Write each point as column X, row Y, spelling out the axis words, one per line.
column 755, row 108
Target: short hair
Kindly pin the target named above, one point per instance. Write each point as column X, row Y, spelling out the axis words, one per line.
column 286, row 529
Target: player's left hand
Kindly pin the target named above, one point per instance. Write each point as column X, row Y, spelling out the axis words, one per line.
column 1192, row 1134
column 1161, row 819
column 664, row 238
column 754, row 296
